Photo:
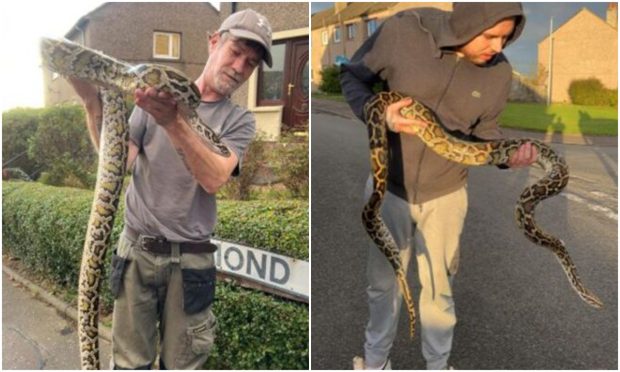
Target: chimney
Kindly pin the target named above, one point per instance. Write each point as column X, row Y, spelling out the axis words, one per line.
column 612, row 15
column 339, row 7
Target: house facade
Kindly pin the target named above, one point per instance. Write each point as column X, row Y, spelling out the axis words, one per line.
column 585, row 46
column 176, row 34
column 339, row 31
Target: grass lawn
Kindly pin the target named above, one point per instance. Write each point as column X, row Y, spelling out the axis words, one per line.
column 329, row 96
column 557, row 118
column 561, row 118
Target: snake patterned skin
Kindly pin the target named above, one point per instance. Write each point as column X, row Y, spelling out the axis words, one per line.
column 468, row 153
column 117, row 79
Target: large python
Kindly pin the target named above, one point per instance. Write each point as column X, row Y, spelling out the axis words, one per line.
column 117, row 79
column 468, row 153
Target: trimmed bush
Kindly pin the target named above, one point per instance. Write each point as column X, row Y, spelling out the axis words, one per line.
column 45, row 226
column 591, row 92
column 279, row 226
column 330, row 80
column 257, row 332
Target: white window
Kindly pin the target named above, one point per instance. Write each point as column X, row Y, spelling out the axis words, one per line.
column 337, row 34
column 371, row 26
column 167, row 45
column 351, row 31
column 325, row 37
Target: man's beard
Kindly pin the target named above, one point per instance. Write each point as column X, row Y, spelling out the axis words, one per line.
column 226, row 86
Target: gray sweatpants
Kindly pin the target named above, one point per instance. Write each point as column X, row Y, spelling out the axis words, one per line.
column 433, row 230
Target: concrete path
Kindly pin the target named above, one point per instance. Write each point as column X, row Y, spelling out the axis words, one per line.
column 35, row 335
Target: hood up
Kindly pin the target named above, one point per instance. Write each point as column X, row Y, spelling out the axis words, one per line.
column 467, row 20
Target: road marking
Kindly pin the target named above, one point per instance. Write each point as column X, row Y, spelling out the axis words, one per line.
column 603, row 195
column 607, row 212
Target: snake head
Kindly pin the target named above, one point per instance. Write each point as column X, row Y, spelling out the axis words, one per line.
column 57, row 55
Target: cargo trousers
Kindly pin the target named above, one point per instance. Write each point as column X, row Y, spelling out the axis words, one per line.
column 433, row 230
column 162, row 303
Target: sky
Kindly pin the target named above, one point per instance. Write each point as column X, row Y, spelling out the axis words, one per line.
column 22, row 24
column 523, row 53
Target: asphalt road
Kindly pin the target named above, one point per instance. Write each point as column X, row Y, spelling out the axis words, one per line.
column 514, row 305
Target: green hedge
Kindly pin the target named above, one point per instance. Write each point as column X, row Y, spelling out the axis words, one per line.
column 45, row 226
column 591, row 92
column 330, row 80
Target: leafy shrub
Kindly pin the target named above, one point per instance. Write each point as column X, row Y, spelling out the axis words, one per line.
column 330, row 80
column 238, row 188
column 18, row 126
column 62, row 146
column 293, row 164
column 45, row 227
column 591, row 92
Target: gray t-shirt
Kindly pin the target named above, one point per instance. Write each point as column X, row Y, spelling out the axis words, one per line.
column 163, row 198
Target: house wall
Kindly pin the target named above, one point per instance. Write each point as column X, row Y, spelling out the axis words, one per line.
column 325, row 55
column 584, row 47
column 125, row 31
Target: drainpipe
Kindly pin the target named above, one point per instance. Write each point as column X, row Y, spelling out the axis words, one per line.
column 550, row 61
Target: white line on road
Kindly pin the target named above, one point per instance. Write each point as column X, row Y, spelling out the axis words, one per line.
column 607, row 212
column 602, row 195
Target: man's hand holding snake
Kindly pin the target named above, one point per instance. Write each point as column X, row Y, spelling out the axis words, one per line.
column 400, row 124
column 161, row 105
column 525, row 156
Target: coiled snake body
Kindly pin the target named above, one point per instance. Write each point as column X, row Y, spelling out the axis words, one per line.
column 468, row 153
column 117, row 78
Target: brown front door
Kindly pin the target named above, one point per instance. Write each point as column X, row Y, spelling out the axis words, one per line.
column 296, row 109
column 286, row 82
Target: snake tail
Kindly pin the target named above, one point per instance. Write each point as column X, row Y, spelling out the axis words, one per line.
column 110, row 173
column 524, row 214
column 375, row 227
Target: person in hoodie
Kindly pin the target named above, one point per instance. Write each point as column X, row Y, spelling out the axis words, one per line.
column 452, row 62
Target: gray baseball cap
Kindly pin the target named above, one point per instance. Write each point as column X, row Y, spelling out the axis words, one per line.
column 249, row 24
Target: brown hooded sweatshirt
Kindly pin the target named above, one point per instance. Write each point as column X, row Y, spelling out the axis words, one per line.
column 413, row 53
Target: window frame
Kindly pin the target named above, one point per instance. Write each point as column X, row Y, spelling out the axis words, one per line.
column 371, row 22
column 171, row 38
column 273, row 102
column 337, row 33
column 353, row 27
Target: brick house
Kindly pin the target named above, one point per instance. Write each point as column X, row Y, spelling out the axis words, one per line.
column 175, row 34
column 585, row 46
column 339, row 31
